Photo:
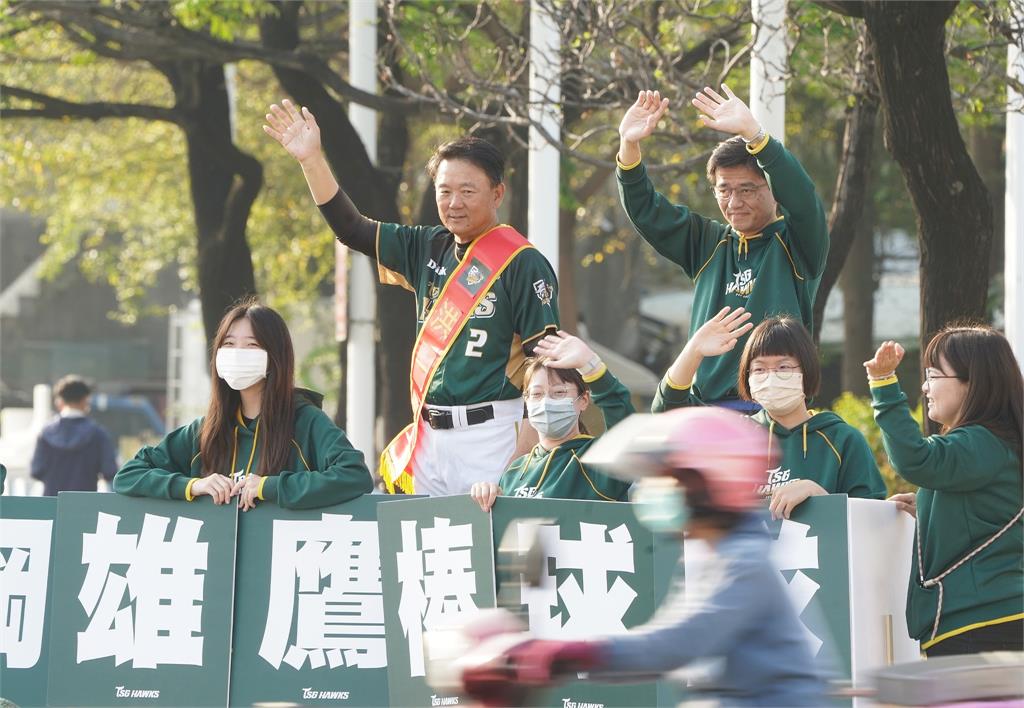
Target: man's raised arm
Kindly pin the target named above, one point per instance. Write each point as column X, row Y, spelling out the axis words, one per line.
column 299, row 134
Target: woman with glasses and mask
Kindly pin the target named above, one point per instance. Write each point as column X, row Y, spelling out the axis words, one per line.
column 966, row 591
column 262, row 439
column 779, row 370
column 560, row 383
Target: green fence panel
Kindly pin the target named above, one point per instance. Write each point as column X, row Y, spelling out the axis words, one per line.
column 309, row 616
column 26, row 567
column 811, row 552
column 600, row 580
column 437, row 565
column 142, row 602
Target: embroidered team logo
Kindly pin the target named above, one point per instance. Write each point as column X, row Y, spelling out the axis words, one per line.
column 776, row 478
column 742, row 283
column 544, row 292
column 474, row 276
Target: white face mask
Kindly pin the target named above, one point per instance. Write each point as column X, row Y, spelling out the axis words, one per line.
column 241, row 368
column 778, row 397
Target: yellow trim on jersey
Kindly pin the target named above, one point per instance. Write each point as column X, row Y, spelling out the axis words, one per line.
column 673, row 385
column 878, row 383
column 188, row 488
column 259, row 489
column 825, row 438
column 601, row 371
column 754, row 148
column 626, row 168
column 589, row 480
column 724, row 240
column 301, row 456
column 968, row 628
column 193, row 460
column 385, row 274
column 789, row 256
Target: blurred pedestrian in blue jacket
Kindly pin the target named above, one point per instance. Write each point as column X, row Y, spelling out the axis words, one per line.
column 73, row 451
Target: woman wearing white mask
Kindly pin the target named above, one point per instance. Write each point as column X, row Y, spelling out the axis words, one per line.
column 779, row 370
column 262, row 439
column 560, row 384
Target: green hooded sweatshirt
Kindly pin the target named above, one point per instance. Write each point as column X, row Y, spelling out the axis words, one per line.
column 970, row 489
column 825, row 449
column 771, row 273
column 558, row 473
column 324, row 468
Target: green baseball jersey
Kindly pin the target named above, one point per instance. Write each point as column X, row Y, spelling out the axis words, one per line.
column 970, row 488
column 558, row 473
column 486, row 360
column 323, row 468
column 771, row 273
column 825, row 449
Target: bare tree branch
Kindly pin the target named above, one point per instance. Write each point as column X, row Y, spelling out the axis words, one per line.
column 53, row 107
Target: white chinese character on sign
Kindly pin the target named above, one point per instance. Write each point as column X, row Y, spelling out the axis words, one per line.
column 337, row 624
column 161, row 621
column 598, row 607
column 437, row 579
column 24, row 572
column 795, row 550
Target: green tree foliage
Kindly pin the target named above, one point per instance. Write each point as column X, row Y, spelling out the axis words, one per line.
column 856, row 411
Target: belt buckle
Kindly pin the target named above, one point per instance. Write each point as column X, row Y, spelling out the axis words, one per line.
column 435, row 419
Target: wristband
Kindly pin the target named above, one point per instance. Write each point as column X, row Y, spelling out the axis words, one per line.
column 883, row 377
column 590, row 367
column 758, row 137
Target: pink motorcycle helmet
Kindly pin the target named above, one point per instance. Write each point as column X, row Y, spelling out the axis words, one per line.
column 728, row 450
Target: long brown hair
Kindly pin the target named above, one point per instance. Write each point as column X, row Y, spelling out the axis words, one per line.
column 982, row 358
column 277, row 413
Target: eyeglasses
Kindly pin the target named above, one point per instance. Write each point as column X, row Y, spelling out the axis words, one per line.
column 930, row 376
column 724, row 193
column 556, row 394
column 784, row 371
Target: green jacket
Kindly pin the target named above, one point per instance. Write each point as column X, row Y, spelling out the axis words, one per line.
column 971, row 488
column 324, row 468
column 825, row 449
column 774, row 272
column 558, row 473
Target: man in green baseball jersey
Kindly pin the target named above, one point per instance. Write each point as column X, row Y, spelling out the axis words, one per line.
column 468, row 362
column 769, row 255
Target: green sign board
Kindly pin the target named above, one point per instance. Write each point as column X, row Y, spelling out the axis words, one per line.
column 811, row 552
column 309, row 616
column 437, row 565
column 599, row 580
column 142, row 602
column 26, row 566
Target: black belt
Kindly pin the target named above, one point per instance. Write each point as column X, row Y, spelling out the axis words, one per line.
column 443, row 420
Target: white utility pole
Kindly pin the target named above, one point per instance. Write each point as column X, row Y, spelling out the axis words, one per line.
column 1013, row 273
column 361, row 405
column 545, row 110
column 769, row 65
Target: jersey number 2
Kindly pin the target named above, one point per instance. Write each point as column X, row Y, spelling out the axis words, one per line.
column 477, row 340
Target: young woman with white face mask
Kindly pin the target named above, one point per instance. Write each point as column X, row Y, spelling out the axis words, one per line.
column 779, row 370
column 262, row 439
column 560, row 385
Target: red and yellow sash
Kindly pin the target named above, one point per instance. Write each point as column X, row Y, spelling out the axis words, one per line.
column 485, row 260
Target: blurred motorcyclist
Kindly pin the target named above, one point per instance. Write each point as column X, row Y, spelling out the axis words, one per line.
column 697, row 471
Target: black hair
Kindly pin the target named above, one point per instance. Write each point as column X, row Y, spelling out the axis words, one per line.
column 72, row 389
column 476, row 151
column 731, row 153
